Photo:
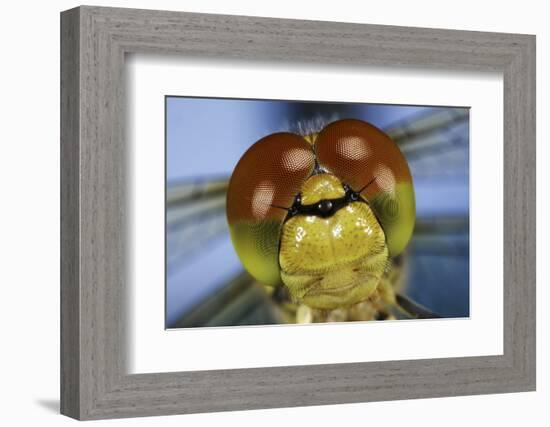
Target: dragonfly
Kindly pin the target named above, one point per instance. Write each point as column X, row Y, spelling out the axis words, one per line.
column 196, row 215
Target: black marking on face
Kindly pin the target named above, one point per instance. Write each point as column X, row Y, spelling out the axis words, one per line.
column 324, row 208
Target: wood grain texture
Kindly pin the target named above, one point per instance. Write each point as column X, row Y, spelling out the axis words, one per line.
column 94, row 382
column 70, row 292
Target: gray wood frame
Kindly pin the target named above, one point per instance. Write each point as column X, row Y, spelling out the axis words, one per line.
column 94, row 41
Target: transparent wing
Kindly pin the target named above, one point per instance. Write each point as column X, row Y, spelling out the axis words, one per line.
column 195, row 215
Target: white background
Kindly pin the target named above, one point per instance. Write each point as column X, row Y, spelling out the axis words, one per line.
column 29, row 218
column 152, row 349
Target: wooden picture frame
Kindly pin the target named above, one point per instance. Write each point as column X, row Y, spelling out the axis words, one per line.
column 94, row 382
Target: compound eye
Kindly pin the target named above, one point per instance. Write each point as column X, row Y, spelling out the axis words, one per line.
column 264, row 184
column 371, row 163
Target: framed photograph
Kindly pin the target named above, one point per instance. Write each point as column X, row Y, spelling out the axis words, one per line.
column 261, row 213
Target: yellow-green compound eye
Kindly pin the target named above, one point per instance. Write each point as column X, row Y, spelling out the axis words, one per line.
column 364, row 157
column 264, row 183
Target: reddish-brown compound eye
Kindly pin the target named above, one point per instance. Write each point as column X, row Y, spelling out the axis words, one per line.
column 265, row 181
column 364, row 157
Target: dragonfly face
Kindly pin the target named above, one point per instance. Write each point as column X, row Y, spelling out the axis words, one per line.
column 321, row 214
column 333, row 250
